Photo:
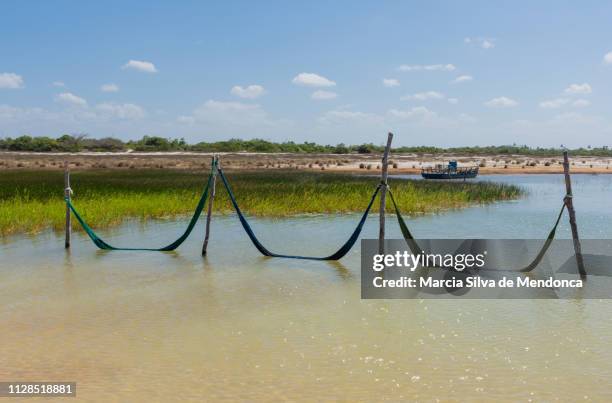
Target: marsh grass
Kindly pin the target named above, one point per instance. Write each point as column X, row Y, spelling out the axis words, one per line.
column 31, row 201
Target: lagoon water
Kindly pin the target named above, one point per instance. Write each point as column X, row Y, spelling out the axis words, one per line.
column 129, row 326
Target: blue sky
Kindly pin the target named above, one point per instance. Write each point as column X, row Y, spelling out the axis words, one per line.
column 438, row 73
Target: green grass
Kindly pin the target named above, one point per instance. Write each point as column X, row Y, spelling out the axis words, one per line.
column 31, row 201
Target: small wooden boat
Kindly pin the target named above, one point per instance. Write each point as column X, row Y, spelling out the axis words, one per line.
column 451, row 171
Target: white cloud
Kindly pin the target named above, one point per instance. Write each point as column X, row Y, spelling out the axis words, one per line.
column 250, row 92
column 108, row 115
column 188, row 120
column 343, row 117
column 464, row 117
column 390, row 82
column 322, row 95
column 235, row 119
column 426, row 67
column 120, row 111
column 70, row 99
column 581, row 103
column 554, row 103
column 463, row 79
column 560, row 129
column 485, row 43
column 10, row 113
column 312, row 80
column 359, row 122
column 109, row 87
column 420, row 112
column 578, row 89
column 608, row 58
column 574, row 118
column 453, row 101
column 220, row 106
column 11, row 81
column 501, row 102
column 221, row 120
column 423, row 96
column 58, row 84
column 359, row 125
column 146, row 67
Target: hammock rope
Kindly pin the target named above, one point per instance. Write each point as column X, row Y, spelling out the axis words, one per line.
column 339, row 254
column 416, row 249
column 412, row 244
column 547, row 243
column 100, row 243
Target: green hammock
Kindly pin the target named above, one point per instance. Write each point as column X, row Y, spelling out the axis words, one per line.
column 100, row 243
column 416, row 249
column 412, row 244
column 339, row 254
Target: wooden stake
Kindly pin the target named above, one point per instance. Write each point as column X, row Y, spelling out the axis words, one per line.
column 572, row 215
column 383, row 195
column 210, row 206
column 67, row 192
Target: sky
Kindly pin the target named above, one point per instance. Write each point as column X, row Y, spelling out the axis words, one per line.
column 433, row 73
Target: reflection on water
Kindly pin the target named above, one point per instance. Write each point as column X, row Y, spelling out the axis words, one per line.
column 174, row 326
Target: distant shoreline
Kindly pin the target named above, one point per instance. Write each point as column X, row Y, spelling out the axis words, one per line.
column 511, row 164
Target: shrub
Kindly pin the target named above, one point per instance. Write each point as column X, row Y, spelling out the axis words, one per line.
column 341, row 149
column 365, row 148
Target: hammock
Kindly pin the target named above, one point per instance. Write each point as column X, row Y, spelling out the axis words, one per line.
column 416, row 249
column 339, row 254
column 100, row 243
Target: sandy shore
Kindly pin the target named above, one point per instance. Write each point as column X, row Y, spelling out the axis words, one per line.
column 399, row 163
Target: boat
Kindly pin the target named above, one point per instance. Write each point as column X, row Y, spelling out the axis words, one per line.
column 450, row 171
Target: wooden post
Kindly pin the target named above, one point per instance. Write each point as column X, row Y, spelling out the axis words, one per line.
column 383, row 195
column 67, row 192
column 572, row 215
column 210, row 206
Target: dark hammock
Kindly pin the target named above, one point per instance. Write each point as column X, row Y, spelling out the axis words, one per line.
column 414, row 247
column 339, row 254
column 104, row 245
column 412, row 244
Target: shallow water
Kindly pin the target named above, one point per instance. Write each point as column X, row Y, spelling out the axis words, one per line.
column 173, row 326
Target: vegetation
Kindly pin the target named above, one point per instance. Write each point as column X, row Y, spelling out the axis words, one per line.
column 31, row 201
column 75, row 143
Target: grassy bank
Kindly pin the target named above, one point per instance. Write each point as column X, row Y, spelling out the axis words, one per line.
column 31, row 201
